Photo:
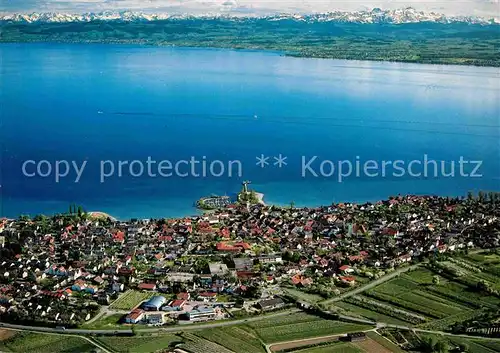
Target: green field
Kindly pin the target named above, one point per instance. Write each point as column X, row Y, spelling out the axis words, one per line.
column 283, row 320
column 333, row 348
column 384, row 342
column 196, row 344
column 45, row 343
column 140, row 344
column 442, row 304
column 493, row 345
column 111, row 322
column 130, row 299
column 436, row 306
column 420, row 276
column 303, row 296
column 397, row 286
column 474, row 345
column 489, row 261
column 300, row 326
column 352, row 309
column 237, row 339
column 462, row 294
column 488, row 264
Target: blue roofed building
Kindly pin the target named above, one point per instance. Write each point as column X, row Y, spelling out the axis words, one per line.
column 155, row 303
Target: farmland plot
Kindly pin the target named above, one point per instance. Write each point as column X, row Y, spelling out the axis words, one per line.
column 443, row 324
column 195, row 344
column 490, row 262
column 371, row 314
column 387, row 309
column 475, row 346
column 334, row 348
column 6, row 334
column 283, row 320
column 397, row 286
column 440, row 299
column 372, row 346
column 44, row 343
column 493, row 345
column 233, row 338
column 434, row 305
column 130, row 299
column 384, row 342
column 139, row 344
column 407, row 305
column 420, row 276
column 300, row 295
column 415, row 293
column 301, row 330
column 464, row 295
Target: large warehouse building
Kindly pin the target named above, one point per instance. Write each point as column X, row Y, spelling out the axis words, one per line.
column 155, row 303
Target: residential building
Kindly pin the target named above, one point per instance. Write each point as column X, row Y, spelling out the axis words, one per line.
column 270, row 304
column 134, row 316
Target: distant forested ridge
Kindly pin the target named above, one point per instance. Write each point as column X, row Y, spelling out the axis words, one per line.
column 423, row 42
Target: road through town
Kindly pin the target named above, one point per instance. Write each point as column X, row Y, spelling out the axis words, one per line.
column 176, row 328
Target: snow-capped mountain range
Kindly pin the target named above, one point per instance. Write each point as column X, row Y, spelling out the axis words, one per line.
column 406, row 15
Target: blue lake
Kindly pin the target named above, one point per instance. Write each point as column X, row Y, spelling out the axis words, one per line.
column 98, row 103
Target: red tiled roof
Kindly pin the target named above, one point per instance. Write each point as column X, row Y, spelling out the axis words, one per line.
column 356, row 258
column 119, row 236
column 225, row 233
column 245, row 246
column 148, row 286
column 222, row 246
column 306, row 281
column 246, row 274
column 296, row 279
column 178, row 303
column 135, row 314
column 208, row 294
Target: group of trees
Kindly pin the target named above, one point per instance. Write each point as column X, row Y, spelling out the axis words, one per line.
column 483, row 197
column 77, row 210
column 484, row 286
column 434, row 344
column 250, row 196
column 292, row 256
column 43, row 222
column 431, row 344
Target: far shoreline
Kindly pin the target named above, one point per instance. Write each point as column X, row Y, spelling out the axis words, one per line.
column 261, row 201
column 276, row 52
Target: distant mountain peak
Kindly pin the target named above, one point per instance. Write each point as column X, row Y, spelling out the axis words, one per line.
column 376, row 15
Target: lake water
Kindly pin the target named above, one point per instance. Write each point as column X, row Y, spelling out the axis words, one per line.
column 122, row 103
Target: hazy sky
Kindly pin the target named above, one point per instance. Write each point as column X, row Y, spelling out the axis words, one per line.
column 488, row 8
